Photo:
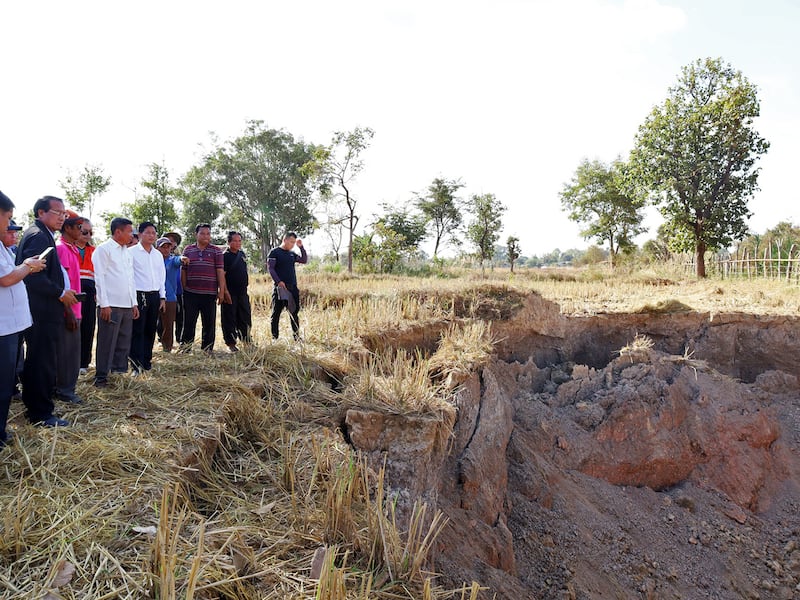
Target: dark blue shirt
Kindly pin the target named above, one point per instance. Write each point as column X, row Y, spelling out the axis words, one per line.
column 281, row 265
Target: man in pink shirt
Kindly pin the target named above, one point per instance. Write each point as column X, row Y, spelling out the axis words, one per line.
column 69, row 344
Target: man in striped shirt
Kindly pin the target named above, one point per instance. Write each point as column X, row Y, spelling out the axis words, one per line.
column 203, row 282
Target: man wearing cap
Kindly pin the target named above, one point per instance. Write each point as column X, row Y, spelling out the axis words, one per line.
column 172, row 268
column 48, row 298
column 149, row 275
column 69, row 342
column 10, row 238
column 89, row 303
column 176, row 240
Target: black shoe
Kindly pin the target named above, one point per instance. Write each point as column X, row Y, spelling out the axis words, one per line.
column 7, row 439
column 101, row 383
column 233, row 348
column 71, row 398
column 52, row 422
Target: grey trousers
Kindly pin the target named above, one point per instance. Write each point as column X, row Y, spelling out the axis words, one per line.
column 113, row 342
column 68, row 361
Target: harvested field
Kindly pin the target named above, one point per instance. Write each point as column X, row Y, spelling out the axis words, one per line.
column 344, row 467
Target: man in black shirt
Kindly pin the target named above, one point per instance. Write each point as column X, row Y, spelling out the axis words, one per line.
column 236, row 319
column 280, row 263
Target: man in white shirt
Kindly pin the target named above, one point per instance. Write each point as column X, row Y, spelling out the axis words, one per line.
column 116, row 301
column 149, row 275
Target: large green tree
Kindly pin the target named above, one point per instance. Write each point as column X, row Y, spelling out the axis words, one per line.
column 442, row 208
column 82, row 190
column 341, row 162
column 484, row 229
column 159, row 202
column 597, row 199
column 264, row 178
column 696, row 153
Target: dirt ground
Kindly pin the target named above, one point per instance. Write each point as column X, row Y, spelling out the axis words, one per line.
column 626, row 456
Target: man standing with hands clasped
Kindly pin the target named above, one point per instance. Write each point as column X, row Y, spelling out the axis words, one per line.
column 280, row 263
column 203, row 281
column 149, row 274
column 116, row 299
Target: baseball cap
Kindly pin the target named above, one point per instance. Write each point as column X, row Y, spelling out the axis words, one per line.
column 12, row 226
column 163, row 240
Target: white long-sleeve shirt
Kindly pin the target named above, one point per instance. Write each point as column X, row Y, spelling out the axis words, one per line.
column 113, row 275
column 149, row 272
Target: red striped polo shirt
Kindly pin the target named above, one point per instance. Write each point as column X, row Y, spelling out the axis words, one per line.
column 201, row 272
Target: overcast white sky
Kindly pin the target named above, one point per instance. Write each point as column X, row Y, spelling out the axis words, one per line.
column 508, row 95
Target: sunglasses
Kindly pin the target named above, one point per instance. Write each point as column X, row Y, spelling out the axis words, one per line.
column 86, row 232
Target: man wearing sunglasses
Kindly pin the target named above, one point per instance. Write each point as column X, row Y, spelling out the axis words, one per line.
column 89, row 304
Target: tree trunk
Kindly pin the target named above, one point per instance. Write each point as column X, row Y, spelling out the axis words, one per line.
column 350, row 245
column 700, row 259
column 512, row 266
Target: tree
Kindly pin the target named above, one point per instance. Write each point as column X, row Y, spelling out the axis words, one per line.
column 442, row 208
column 158, row 204
column 199, row 202
column 81, row 191
column 596, row 198
column 410, row 227
column 341, row 163
column 512, row 250
column 264, row 178
column 484, row 230
column 697, row 152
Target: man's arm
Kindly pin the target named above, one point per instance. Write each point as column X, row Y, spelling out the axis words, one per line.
column 303, row 258
column 40, row 283
column 222, row 288
column 100, row 263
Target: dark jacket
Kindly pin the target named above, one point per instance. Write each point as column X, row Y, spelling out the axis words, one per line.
column 44, row 288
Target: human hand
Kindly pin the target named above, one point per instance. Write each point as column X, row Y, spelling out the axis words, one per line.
column 162, row 305
column 281, row 285
column 105, row 313
column 72, row 322
column 299, row 243
column 35, row 264
column 227, row 299
column 184, row 260
column 135, row 312
column 68, row 299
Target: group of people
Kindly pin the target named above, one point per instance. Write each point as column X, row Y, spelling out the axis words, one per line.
column 57, row 290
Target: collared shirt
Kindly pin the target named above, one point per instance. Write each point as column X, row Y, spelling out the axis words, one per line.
column 148, row 270
column 71, row 264
column 15, row 315
column 172, row 265
column 113, row 274
column 201, row 272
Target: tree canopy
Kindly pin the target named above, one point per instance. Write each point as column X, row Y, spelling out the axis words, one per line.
column 443, row 209
column 82, row 190
column 264, row 178
column 596, row 198
column 484, row 229
column 696, row 155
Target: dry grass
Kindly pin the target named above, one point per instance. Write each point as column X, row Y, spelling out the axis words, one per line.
column 224, row 477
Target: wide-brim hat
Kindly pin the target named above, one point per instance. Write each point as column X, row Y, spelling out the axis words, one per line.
column 175, row 236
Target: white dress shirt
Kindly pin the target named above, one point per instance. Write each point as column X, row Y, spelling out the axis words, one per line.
column 149, row 272
column 15, row 316
column 113, row 275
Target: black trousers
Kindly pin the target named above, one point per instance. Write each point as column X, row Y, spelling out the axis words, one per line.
column 143, row 335
column 39, row 372
column 236, row 319
column 179, row 318
column 277, row 308
column 204, row 305
column 88, row 322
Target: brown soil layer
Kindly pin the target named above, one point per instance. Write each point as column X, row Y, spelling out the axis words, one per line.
column 582, row 465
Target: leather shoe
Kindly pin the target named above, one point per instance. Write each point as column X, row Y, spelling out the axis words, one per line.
column 101, row 383
column 71, row 398
column 52, row 422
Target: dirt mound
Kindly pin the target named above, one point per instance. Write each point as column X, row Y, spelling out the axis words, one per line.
column 668, row 469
